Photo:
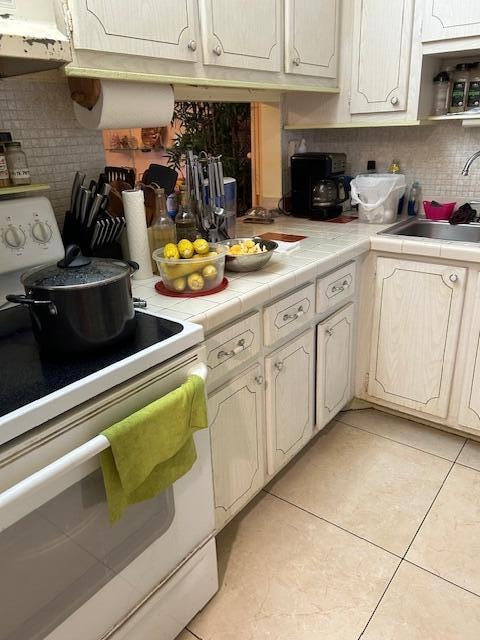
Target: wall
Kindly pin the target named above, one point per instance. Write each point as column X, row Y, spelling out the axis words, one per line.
column 432, row 154
column 37, row 110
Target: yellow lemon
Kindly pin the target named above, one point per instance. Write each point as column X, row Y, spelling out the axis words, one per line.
column 179, row 284
column 195, row 281
column 170, row 251
column 185, row 248
column 201, row 246
column 209, row 272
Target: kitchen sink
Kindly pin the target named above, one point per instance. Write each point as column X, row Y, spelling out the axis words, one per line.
column 435, row 230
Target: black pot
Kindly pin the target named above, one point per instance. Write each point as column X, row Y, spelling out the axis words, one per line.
column 80, row 304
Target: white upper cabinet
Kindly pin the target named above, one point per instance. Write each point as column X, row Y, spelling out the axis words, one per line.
column 445, row 19
column 469, row 415
column 245, row 34
column 416, row 322
column 382, row 36
column 166, row 29
column 311, row 37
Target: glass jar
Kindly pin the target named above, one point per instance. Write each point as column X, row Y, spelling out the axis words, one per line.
column 17, row 164
column 473, row 93
column 441, row 87
column 4, row 179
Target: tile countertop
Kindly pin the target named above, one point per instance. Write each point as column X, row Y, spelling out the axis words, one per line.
column 327, row 246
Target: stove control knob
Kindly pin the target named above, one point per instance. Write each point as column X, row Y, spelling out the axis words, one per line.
column 14, row 237
column 41, row 232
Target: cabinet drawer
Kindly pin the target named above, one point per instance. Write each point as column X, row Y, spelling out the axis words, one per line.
column 285, row 316
column 335, row 288
column 230, row 348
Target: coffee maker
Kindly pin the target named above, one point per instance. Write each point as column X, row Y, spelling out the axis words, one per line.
column 318, row 185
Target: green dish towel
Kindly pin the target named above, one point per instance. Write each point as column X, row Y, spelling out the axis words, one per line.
column 153, row 447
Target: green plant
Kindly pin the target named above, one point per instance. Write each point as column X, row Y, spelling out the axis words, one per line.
column 219, row 128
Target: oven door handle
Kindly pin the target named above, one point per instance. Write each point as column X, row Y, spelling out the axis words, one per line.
column 22, row 490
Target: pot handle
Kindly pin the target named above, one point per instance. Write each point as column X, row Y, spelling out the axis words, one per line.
column 21, row 299
column 138, row 303
column 134, row 266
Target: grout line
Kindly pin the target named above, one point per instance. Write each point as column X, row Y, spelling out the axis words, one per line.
column 436, row 575
column 380, row 599
column 433, row 501
column 410, row 446
column 193, row 634
column 296, row 506
column 466, row 466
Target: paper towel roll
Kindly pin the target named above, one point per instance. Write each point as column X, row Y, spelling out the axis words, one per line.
column 122, row 105
column 138, row 245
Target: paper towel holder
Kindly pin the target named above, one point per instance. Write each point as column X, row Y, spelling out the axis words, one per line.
column 85, row 91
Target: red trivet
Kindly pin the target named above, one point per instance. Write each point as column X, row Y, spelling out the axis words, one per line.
column 161, row 288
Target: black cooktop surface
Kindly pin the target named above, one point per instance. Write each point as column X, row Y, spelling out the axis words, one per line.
column 27, row 375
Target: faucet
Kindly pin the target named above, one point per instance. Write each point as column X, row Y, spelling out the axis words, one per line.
column 469, row 163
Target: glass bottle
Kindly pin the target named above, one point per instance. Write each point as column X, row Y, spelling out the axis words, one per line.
column 17, row 164
column 441, row 86
column 4, row 179
column 395, row 168
column 163, row 227
column 458, row 96
column 185, row 220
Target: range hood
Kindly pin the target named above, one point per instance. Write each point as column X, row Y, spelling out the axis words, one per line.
column 30, row 38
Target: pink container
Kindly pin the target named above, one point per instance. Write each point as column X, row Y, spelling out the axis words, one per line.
column 443, row 212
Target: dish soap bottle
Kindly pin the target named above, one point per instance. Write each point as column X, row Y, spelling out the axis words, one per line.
column 163, row 227
column 413, row 207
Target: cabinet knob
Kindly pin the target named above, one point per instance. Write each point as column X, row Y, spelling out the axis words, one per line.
column 329, row 332
column 394, row 100
column 296, row 61
column 217, row 50
column 453, row 277
column 259, row 380
column 278, row 366
column 192, row 45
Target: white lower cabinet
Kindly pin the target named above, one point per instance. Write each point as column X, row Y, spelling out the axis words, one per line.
column 237, row 437
column 469, row 414
column 334, row 364
column 289, row 375
column 416, row 324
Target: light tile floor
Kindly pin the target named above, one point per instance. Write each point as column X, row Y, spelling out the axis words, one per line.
column 372, row 532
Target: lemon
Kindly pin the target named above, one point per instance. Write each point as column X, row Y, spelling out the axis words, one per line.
column 195, row 281
column 209, row 272
column 179, row 284
column 185, row 248
column 170, row 251
column 201, row 246
column 249, row 244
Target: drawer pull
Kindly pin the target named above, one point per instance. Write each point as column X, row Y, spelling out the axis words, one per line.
column 236, row 350
column 259, row 380
column 345, row 284
column 278, row 366
column 294, row 316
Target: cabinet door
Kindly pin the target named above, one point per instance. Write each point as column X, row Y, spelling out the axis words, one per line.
column 444, row 19
column 334, row 364
column 242, row 34
column 417, row 315
column 381, row 55
column 470, row 403
column 236, row 431
column 166, row 29
column 311, row 37
column 290, row 382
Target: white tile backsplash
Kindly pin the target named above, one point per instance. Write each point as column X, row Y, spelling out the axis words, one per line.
column 37, row 110
column 432, row 154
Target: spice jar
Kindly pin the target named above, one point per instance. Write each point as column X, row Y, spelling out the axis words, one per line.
column 17, row 164
column 473, row 93
column 458, row 97
column 4, row 180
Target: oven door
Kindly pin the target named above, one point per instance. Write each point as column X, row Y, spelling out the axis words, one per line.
column 65, row 572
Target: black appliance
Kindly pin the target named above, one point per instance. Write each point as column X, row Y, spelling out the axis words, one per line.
column 319, row 185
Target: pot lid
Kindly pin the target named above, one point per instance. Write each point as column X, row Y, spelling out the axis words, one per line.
column 75, row 271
